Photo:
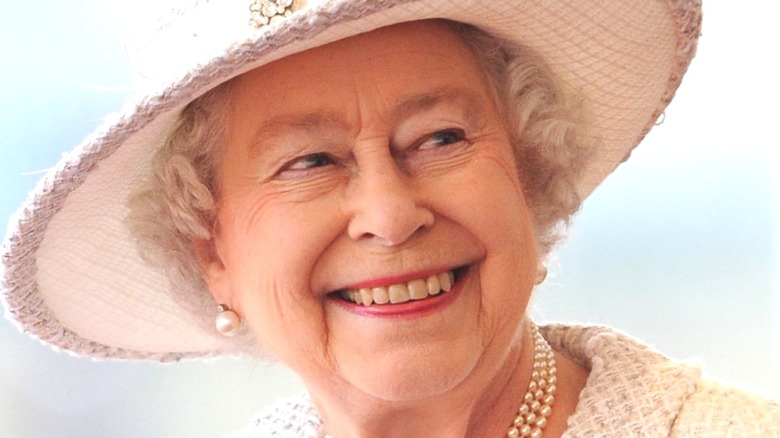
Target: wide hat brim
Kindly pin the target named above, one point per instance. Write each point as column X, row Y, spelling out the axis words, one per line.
column 73, row 273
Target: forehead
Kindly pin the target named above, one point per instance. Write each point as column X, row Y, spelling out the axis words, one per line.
column 394, row 63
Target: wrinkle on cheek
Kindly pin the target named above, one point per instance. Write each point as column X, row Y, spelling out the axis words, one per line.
column 243, row 221
column 285, row 323
column 308, row 189
column 443, row 167
column 500, row 165
column 506, row 162
column 494, row 320
column 250, row 213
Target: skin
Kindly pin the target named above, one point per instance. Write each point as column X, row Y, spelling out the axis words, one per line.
column 381, row 158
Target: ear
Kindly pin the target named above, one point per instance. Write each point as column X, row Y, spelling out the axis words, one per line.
column 212, row 266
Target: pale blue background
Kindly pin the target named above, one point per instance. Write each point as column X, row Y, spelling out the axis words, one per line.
column 680, row 247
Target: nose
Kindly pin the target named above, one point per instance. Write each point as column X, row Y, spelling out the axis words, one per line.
column 384, row 205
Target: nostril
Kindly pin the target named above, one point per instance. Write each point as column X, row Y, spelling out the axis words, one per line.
column 389, row 226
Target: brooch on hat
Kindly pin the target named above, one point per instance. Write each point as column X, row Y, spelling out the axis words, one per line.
column 264, row 12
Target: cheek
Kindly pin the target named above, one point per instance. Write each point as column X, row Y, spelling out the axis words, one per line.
column 500, row 211
column 513, row 217
column 500, row 218
column 269, row 252
column 269, row 236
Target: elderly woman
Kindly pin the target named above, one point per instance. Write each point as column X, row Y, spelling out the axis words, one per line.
column 366, row 192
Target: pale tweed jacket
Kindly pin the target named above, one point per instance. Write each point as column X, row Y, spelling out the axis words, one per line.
column 632, row 391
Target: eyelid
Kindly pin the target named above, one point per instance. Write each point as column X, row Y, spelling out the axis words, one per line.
column 419, row 142
column 301, row 162
column 410, row 133
column 325, row 162
column 461, row 133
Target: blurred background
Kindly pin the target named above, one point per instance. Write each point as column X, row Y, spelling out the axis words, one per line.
column 680, row 247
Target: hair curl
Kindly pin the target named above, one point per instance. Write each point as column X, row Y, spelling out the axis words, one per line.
column 545, row 125
column 178, row 205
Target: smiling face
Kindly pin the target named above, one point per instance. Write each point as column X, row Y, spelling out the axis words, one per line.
column 374, row 169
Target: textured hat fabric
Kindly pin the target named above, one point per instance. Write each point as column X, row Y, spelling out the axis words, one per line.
column 73, row 275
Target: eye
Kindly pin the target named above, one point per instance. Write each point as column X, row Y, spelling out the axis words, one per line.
column 307, row 162
column 442, row 138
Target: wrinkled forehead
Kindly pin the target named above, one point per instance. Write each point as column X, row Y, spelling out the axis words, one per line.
column 402, row 61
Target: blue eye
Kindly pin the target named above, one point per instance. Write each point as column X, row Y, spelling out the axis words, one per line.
column 309, row 162
column 443, row 138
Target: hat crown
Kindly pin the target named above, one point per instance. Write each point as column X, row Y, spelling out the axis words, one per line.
column 163, row 40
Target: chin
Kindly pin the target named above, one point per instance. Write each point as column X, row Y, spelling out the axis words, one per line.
column 418, row 372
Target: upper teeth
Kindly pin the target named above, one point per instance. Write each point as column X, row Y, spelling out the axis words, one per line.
column 402, row 292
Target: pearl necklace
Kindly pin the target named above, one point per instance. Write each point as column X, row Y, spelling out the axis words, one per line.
column 537, row 404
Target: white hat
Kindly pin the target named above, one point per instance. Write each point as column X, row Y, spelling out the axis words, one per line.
column 73, row 275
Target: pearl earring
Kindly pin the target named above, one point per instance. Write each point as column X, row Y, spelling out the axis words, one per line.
column 541, row 273
column 228, row 323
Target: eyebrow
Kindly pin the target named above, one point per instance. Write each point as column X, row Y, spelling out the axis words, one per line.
column 316, row 123
column 309, row 123
column 418, row 103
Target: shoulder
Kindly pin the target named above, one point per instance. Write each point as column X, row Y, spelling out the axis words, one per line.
column 633, row 390
column 295, row 418
column 714, row 409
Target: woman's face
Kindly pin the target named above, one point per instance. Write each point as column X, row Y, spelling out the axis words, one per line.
column 374, row 163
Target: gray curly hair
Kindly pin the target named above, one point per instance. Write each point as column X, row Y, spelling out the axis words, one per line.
column 545, row 124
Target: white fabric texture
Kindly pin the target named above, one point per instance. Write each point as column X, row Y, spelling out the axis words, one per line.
column 632, row 391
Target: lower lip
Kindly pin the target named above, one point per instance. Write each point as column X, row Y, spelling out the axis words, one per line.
column 409, row 309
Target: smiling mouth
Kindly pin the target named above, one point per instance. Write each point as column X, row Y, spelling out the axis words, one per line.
column 414, row 290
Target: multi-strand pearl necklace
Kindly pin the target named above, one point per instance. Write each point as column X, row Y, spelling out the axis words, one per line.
column 537, row 404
